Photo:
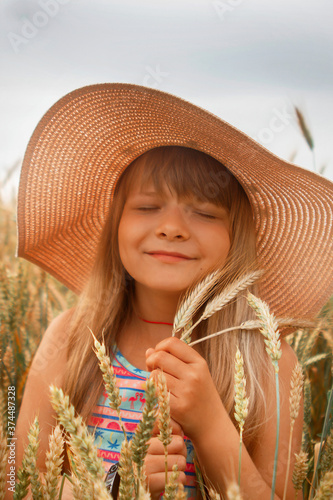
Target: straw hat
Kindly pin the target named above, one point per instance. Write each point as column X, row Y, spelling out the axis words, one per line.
column 85, row 141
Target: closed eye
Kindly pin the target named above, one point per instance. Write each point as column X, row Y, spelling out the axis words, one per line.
column 147, row 208
column 206, row 215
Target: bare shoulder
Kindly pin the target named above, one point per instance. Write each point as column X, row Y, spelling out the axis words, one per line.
column 51, row 354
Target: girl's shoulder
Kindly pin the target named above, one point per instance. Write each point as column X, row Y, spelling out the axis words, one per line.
column 51, row 354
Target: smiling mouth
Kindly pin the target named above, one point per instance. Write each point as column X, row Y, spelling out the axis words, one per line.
column 169, row 256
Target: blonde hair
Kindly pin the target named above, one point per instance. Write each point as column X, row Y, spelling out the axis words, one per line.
column 106, row 303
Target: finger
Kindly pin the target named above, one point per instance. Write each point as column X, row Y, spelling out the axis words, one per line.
column 178, row 348
column 154, row 465
column 176, row 447
column 166, row 362
column 175, row 427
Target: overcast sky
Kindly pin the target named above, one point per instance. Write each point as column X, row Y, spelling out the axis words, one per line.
column 247, row 61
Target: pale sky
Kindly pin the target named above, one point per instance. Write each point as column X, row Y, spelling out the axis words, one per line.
column 248, row 62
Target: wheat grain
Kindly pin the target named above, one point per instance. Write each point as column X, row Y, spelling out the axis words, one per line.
column 181, row 493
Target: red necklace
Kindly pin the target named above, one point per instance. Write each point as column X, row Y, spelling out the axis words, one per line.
column 155, row 322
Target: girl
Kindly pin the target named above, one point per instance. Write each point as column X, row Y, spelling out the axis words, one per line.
column 176, row 215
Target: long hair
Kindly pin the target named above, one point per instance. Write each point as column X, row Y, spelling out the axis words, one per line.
column 106, row 303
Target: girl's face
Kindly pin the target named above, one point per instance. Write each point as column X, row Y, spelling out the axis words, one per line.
column 165, row 243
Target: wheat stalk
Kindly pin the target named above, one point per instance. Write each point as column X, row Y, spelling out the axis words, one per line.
column 164, row 421
column 269, row 329
column 296, row 386
column 53, row 464
column 241, row 403
column 193, row 301
column 223, row 298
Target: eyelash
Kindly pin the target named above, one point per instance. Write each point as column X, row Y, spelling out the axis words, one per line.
column 207, row 216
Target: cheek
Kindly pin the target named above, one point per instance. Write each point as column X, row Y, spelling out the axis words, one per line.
column 218, row 243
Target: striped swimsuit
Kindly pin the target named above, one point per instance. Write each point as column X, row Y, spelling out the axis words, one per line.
column 104, row 421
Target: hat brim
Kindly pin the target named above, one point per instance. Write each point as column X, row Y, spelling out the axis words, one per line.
column 86, row 140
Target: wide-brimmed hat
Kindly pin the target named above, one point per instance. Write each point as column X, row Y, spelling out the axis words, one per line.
column 86, row 140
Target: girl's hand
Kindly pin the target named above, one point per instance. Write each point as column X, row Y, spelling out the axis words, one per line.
column 194, row 400
column 155, row 460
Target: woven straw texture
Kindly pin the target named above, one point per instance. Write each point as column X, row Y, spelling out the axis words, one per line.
column 84, row 142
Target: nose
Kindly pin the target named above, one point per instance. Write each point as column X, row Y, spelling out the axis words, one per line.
column 172, row 225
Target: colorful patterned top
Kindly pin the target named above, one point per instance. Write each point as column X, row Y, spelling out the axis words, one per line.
column 104, row 421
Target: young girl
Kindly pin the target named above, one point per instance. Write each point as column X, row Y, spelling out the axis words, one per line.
column 133, row 179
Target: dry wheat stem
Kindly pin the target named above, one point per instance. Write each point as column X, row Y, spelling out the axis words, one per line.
column 241, row 403
column 223, row 298
column 193, row 301
column 164, row 420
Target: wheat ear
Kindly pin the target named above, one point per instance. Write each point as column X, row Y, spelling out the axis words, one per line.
column 300, row 470
column 233, row 492
column 172, row 485
column 53, row 464
column 269, row 329
column 213, row 495
column 325, row 490
column 326, row 462
column 223, row 298
column 82, row 440
column 193, row 301
column 110, row 380
column 181, row 493
column 241, row 403
column 126, row 486
column 31, row 465
column 296, row 386
column 144, row 430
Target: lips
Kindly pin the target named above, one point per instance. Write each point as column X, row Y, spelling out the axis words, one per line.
column 164, row 256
